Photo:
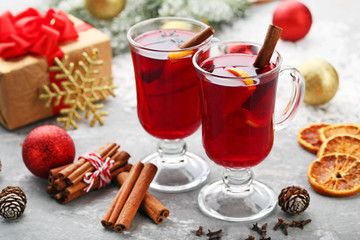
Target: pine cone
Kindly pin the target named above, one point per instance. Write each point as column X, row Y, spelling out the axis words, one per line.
column 294, row 200
column 12, row 202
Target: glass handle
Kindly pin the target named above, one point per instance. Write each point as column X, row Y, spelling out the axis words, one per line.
column 297, row 95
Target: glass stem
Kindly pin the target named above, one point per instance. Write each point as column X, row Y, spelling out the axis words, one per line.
column 172, row 151
column 238, row 180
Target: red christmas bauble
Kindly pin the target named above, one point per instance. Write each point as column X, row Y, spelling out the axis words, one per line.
column 294, row 18
column 47, row 147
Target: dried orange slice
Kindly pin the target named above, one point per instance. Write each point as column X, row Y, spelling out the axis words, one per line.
column 339, row 129
column 336, row 175
column 241, row 73
column 347, row 144
column 309, row 138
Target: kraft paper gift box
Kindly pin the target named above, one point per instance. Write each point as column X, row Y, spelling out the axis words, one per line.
column 22, row 77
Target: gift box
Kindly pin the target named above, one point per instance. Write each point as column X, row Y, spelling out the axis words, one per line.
column 24, row 64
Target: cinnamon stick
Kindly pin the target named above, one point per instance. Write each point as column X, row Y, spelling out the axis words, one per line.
column 67, row 198
column 51, row 190
column 60, row 184
column 117, row 204
column 135, row 198
column 116, row 172
column 150, row 205
column 267, row 49
column 54, row 173
column 198, row 38
column 60, row 195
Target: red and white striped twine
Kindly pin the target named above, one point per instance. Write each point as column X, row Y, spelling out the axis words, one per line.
column 102, row 170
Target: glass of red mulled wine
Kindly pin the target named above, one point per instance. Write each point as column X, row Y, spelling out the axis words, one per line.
column 238, row 125
column 168, row 101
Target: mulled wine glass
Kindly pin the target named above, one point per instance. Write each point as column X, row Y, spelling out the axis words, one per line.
column 238, row 125
column 168, row 101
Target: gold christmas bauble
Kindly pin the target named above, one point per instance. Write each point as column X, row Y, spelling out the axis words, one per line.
column 321, row 81
column 105, row 9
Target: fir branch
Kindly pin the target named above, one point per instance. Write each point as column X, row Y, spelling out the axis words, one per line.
column 215, row 12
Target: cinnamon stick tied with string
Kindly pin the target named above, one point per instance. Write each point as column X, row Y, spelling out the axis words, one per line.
column 71, row 174
column 198, row 38
column 74, row 173
column 120, row 159
column 267, row 49
column 129, row 197
column 102, row 150
column 67, row 188
column 150, row 205
column 64, row 197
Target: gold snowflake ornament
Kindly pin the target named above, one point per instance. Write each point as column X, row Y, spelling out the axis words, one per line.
column 79, row 90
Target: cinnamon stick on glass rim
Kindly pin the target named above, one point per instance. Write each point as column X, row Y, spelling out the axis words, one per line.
column 150, row 205
column 198, row 38
column 194, row 41
column 267, row 49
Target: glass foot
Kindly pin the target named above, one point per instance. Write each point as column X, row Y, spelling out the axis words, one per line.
column 255, row 202
column 180, row 175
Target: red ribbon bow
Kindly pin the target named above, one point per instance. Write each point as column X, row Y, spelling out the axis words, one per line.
column 32, row 31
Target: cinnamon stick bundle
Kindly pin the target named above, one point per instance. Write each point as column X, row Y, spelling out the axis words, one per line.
column 67, row 196
column 76, row 171
column 129, row 197
column 101, row 150
column 67, row 182
column 150, row 205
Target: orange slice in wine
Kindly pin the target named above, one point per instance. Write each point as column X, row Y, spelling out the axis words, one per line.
column 241, row 73
column 175, row 56
column 347, row 144
column 339, row 129
column 336, row 175
column 309, row 138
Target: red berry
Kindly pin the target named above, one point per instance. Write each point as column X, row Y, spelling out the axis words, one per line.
column 47, row 147
column 294, row 18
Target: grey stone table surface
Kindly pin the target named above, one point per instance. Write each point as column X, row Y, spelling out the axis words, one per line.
column 334, row 36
